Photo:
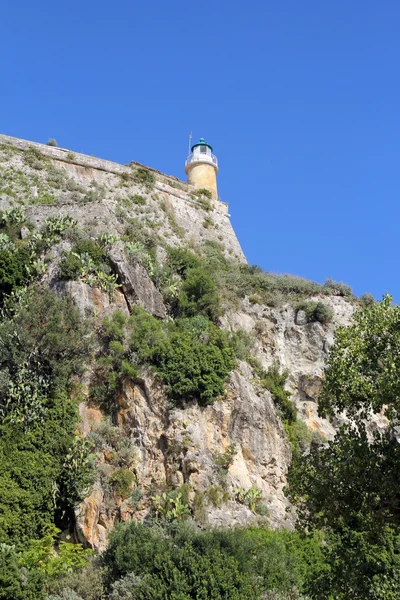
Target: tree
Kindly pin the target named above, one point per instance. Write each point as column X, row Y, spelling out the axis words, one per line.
column 349, row 487
column 42, row 340
column 363, row 369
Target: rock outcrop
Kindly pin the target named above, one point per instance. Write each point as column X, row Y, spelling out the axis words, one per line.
column 171, row 447
column 179, row 446
column 137, row 286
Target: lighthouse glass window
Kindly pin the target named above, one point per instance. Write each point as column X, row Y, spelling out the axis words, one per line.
column 203, row 149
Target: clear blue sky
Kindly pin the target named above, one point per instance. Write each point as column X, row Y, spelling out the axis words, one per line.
column 300, row 100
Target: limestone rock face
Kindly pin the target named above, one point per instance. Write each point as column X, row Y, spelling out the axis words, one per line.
column 177, row 446
column 91, row 528
column 91, row 300
column 136, row 284
column 180, row 447
column 300, row 347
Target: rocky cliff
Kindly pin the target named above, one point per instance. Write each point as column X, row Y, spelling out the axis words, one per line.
column 225, row 457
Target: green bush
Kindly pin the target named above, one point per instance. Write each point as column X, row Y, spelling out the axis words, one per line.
column 274, row 381
column 95, row 195
column 180, row 570
column 122, row 481
column 138, row 199
column 193, row 358
column 242, row 342
column 109, row 439
column 180, row 563
column 15, row 270
column 204, row 192
column 338, row 288
column 71, row 265
column 34, row 158
column 250, row 497
column 56, row 177
column 55, row 227
column 222, row 462
column 48, row 199
column 13, row 216
column 43, row 341
column 301, row 437
column 77, row 473
column 316, row 311
column 194, row 369
column 87, row 261
column 191, row 366
column 124, row 589
column 52, row 142
column 16, row 583
column 237, row 280
column 217, row 495
column 208, row 222
column 86, row 584
column 181, row 260
column 367, row 299
column 199, row 294
column 144, row 177
column 90, row 247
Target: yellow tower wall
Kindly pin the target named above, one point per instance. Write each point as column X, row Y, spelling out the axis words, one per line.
column 203, row 176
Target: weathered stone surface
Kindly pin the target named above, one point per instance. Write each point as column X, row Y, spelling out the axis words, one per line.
column 24, row 233
column 178, row 447
column 91, row 525
column 180, row 223
column 298, row 346
column 138, row 287
column 91, row 300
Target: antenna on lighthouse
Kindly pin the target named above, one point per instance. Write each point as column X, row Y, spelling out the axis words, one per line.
column 190, row 142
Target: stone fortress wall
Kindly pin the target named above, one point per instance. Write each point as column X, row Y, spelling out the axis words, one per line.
column 178, row 194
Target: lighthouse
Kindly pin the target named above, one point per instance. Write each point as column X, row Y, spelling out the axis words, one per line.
column 201, row 167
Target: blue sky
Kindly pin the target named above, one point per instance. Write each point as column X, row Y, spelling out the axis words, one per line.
column 300, row 100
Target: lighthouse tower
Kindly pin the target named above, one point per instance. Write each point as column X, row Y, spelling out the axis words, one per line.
column 201, row 167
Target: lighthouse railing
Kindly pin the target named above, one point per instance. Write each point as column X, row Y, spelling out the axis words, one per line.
column 202, row 158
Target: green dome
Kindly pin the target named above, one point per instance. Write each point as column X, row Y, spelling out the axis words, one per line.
column 202, row 143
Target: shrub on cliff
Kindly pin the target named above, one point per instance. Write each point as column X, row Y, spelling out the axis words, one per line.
column 43, row 340
column 15, row 268
column 181, row 260
column 144, row 177
column 315, row 311
column 199, row 295
column 196, row 368
column 17, row 583
column 192, row 356
column 71, row 265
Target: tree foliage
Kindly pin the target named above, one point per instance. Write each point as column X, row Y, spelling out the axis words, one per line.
column 362, row 374
column 192, row 356
column 43, row 339
column 14, row 270
column 181, row 563
column 349, row 487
